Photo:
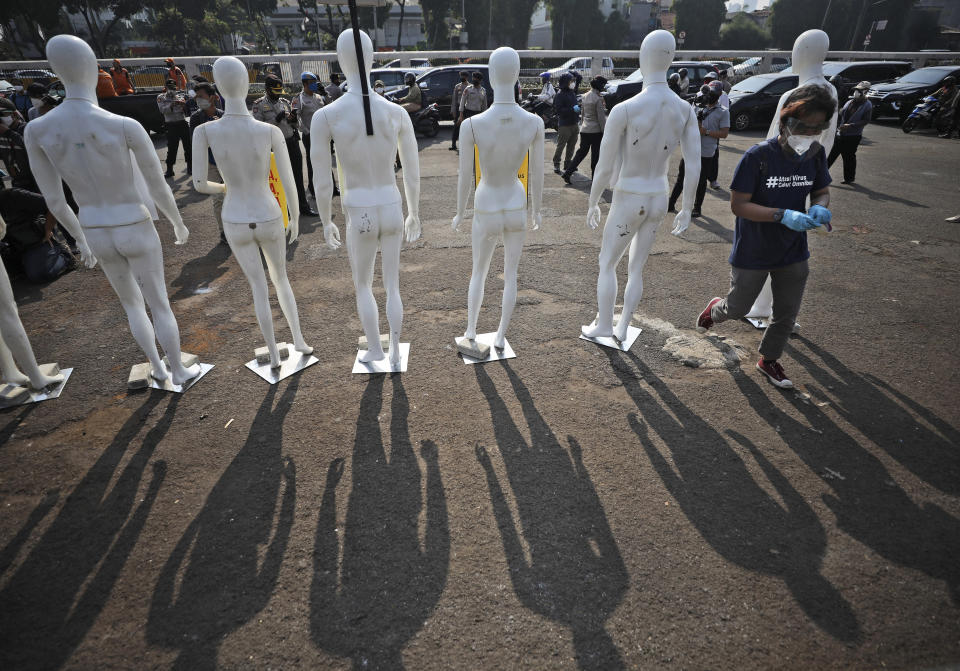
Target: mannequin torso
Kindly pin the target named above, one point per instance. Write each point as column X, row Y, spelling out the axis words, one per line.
column 499, row 189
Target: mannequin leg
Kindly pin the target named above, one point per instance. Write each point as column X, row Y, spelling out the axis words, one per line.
column 617, row 235
column 484, row 242
column 247, row 253
column 763, row 306
column 16, row 345
column 512, row 248
column 390, row 263
column 639, row 251
column 8, row 367
column 362, row 252
column 274, row 251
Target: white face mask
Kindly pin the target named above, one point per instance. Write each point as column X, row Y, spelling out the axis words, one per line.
column 572, row 85
column 6, row 120
column 36, row 102
column 379, row 89
column 18, row 88
column 801, row 143
column 203, row 103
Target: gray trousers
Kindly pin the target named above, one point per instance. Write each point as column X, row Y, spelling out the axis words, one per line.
column 566, row 137
column 787, row 284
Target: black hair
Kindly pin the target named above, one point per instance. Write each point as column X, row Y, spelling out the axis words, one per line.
column 598, row 82
column 476, row 75
column 36, row 90
column 808, row 99
column 205, row 87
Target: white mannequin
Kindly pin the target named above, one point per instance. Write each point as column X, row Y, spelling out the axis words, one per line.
column 12, row 332
column 503, row 135
column 89, row 148
column 641, row 134
column 252, row 219
column 369, row 194
column 809, row 51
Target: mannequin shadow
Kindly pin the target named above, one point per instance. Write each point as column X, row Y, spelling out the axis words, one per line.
column 868, row 503
column 575, row 574
column 733, row 514
column 59, row 590
column 199, row 273
column 370, row 604
column 224, row 568
column 713, row 226
column 927, row 445
column 10, row 428
column 12, row 548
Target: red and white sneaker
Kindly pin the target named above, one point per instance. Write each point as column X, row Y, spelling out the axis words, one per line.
column 774, row 371
column 705, row 321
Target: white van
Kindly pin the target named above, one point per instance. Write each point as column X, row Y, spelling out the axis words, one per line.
column 582, row 65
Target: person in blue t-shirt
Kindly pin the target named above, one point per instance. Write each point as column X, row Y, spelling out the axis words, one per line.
column 768, row 196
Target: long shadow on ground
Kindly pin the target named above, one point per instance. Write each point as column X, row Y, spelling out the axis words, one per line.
column 719, row 496
column 225, row 583
column 575, row 575
column 54, row 597
column 368, row 607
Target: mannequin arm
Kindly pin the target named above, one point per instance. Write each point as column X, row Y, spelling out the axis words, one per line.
column 535, row 177
column 51, row 186
column 613, row 138
column 285, row 170
column 139, row 142
column 201, row 166
column 465, row 176
column 690, row 148
column 410, row 160
column 323, row 177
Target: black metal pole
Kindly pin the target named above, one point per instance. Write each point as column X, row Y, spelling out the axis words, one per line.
column 364, row 84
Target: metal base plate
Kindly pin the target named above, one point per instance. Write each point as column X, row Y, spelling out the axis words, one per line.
column 294, row 363
column 43, row 394
column 758, row 323
column 495, row 354
column 632, row 334
column 168, row 385
column 383, row 365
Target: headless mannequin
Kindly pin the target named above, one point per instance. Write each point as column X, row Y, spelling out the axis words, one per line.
column 503, row 135
column 809, row 51
column 369, row 194
column 15, row 338
column 640, row 135
column 241, row 146
column 90, row 149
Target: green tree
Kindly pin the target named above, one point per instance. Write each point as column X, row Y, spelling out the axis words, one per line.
column 743, row 33
column 435, row 22
column 789, row 18
column 701, row 21
column 34, row 20
column 576, row 24
column 615, row 30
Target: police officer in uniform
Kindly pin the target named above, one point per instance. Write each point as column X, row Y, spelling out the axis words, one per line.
column 277, row 111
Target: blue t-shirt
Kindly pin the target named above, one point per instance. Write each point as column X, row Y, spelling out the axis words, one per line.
column 775, row 181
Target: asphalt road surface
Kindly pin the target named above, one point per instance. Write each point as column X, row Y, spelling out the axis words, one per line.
column 575, row 507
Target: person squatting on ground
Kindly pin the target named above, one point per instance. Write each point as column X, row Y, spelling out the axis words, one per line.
column 207, row 110
column 853, row 117
column 714, row 125
column 455, row 106
column 473, row 100
column 173, row 107
column 568, row 117
column 105, row 87
column 591, row 128
column 768, row 195
column 276, row 111
column 413, row 101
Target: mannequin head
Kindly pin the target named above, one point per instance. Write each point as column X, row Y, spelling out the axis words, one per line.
column 809, row 50
column 504, row 70
column 656, row 54
column 347, row 57
column 76, row 65
column 232, row 83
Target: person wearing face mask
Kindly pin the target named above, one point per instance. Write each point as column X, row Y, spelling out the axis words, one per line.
column 13, row 151
column 20, row 98
column 768, row 196
column 333, row 91
column 673, row 81
column 853, row 117
column 36, row 91
column 591, row 129
column 207, row 100
column 714, row 125
column 173, row 107
column 176, row 74
column 568, row 118
column 473, row 100
column 413, row 101
column 455, row 107
column 277, row 111
column 305, row 104
column 684, row 82
column 379, row 88
column 122, row 81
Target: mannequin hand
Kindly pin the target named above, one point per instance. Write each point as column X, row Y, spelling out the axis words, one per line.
column 181, row 233
column 86, row 255
column 412, row 227
column 681, row 222
column 456, row 222
column 593, row 217
column 293, row 229
column 821, row 215
column 331, row 235
column 537, row 220
column 798, row 221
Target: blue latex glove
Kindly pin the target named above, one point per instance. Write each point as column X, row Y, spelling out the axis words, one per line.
column 821, row 215
column 576, row 108
column 798, row 221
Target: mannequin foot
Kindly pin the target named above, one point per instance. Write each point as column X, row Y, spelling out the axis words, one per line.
column 44, row 381
column 500, row 341
column 181, row 376
column 17, row 379
column 159, row 373
column 303, row 348
column 470, row 334
column 597, row 331
column 373, row 354
column 620, row 332
column 394, row 356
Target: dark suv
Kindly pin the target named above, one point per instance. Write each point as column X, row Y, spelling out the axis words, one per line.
column 899, row 97
column 845, row 75
column 621, row 89
column 437, row 85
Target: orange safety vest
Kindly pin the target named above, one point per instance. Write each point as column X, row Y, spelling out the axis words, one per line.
column 121, row 81
column 105, row 85
column 176, row 74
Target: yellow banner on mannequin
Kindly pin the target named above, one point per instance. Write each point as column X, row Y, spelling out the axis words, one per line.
column 276, row 188
column 522, row 174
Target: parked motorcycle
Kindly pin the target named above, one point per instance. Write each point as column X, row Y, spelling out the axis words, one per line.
column 542, row 109
column 925, row 115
